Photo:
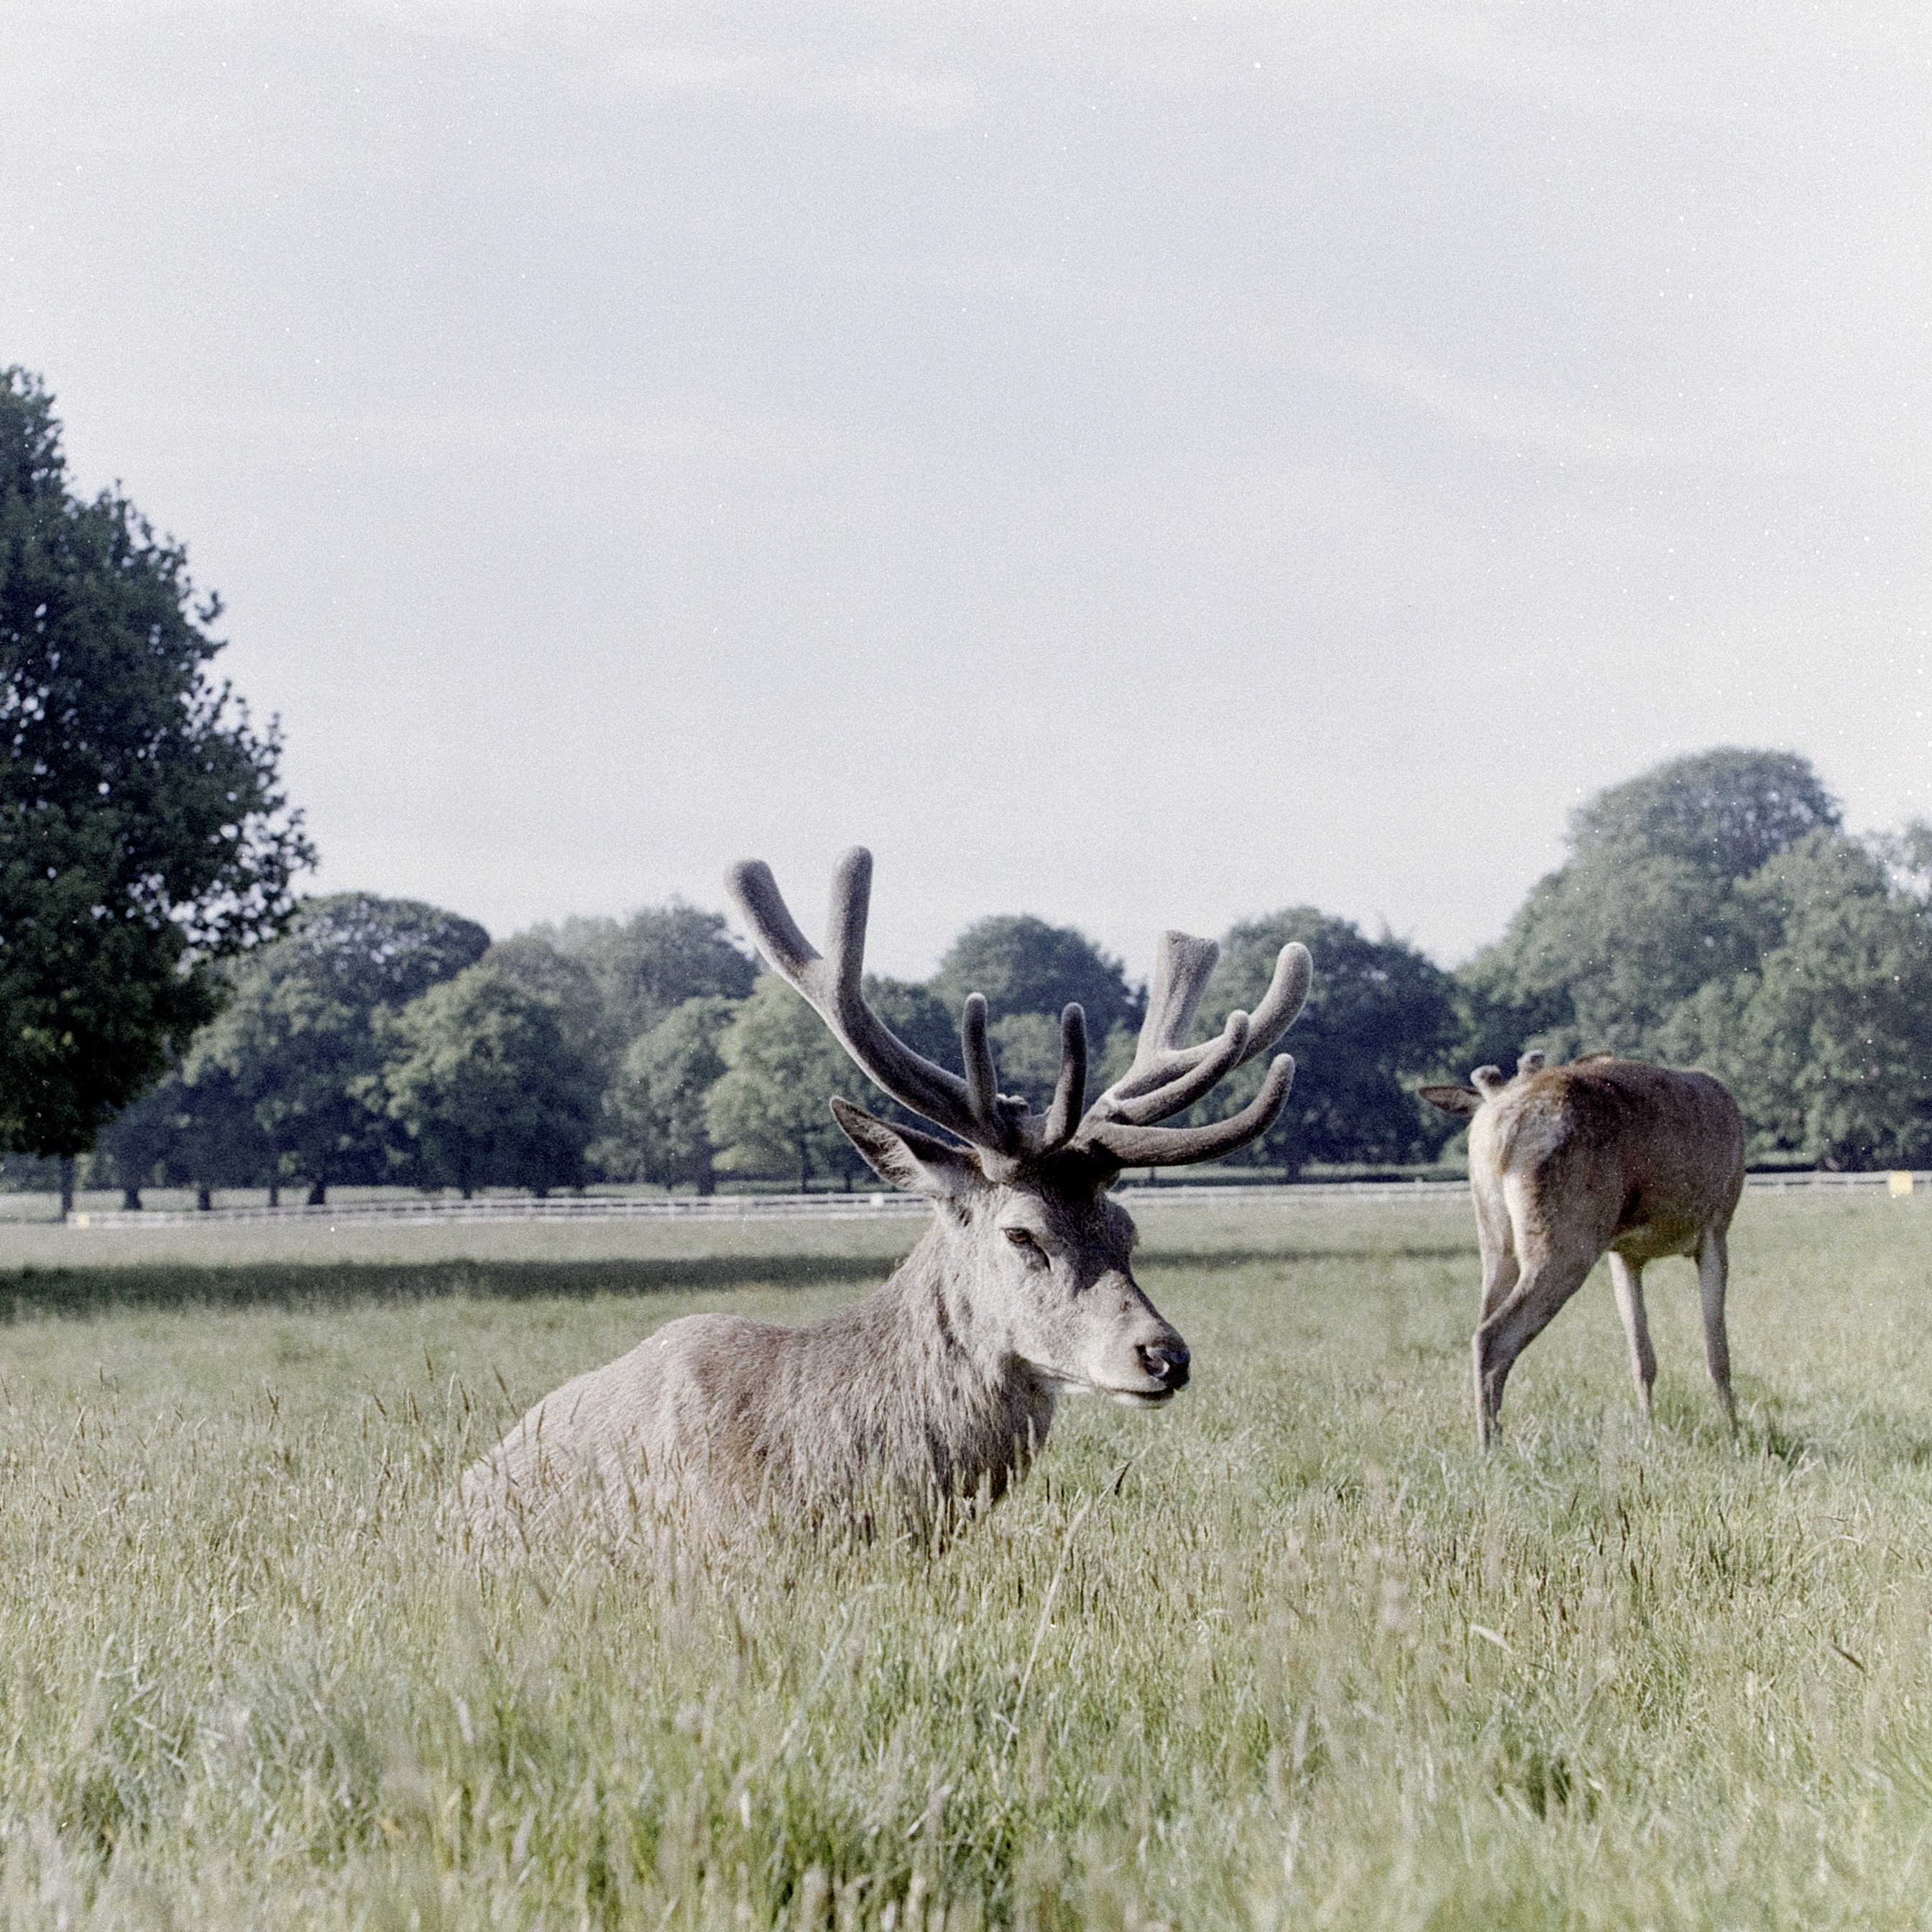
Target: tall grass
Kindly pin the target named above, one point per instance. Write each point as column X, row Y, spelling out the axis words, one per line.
column 1288, row 1653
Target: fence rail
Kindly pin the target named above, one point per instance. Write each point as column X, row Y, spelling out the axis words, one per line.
column 870, row 1206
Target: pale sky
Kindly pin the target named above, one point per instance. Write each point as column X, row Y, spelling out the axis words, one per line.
column 1143, row 465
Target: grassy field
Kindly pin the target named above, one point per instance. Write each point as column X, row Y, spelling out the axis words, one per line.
column 1288, row 1653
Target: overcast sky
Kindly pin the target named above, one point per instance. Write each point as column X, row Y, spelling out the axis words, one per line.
column 1141, row 465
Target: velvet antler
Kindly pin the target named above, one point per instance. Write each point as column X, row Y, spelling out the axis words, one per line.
column 1118, row 1130
column 1167, row 1076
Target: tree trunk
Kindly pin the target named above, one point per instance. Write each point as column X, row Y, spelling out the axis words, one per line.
column 131, row 1200
column 66, row 1185
column 848, row 1180
column 204, row 1198
column 707, row 1177
column 804, row 1173
column 274, row 1194
column 318, row 1194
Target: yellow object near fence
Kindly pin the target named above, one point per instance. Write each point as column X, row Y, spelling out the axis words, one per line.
column 1899, row 1183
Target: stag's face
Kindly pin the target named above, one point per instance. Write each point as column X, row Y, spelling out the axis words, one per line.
column 1057, row 1276
column 1039, row 1257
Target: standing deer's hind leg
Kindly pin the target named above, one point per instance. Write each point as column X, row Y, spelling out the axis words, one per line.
column 1713, row 1270
column 1627, row 1277
column 1501, row 1273
column 1548, row 1281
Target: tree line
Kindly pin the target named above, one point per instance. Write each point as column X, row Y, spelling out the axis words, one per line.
column 385, row 1041
column 1713, row 911
column 170, row 1008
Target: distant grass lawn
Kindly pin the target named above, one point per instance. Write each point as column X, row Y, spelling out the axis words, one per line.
column 1287, row 1653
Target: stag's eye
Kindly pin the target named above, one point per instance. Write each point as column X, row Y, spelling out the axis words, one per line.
column 1027, row 1246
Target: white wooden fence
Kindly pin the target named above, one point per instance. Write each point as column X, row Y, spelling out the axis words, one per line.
column 870, row 1206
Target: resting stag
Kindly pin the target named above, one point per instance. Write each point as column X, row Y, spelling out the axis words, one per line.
column 1602, row 1156
column 934, row 1393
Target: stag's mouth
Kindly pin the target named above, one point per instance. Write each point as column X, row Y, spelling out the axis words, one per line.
column 1153, row 1398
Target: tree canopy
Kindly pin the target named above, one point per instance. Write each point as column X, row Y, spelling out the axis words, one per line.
column 1023, row 965
column 1378, row 1012
column 1649, row 908
column 1827, row 1038
column 1802, row 977
column 300, row 1039
column 1724, row 811
column 645, row 965
column 481, row 1079
column 535, row 962
column 144, row 834
column 656, row 1106
column 770, row 1111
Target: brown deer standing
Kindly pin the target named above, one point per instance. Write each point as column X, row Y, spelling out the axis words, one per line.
column 1602, row 1155
column 937, row 1390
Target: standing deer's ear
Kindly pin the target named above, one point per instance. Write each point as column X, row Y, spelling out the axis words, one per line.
column 914, row 1163
column 1457, row 1100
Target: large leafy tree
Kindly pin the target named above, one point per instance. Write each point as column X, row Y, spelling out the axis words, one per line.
column 774, row 1113
column 133, row 1151
column 199, row 1134
column 1023, row 965
column 1725, row 810
column 1649, row 909
column 490, row 1092
column 644, row 966
column 144, row 834
column 217, row 1138
column 534, row 961
column 769, row 1112
column 1378, row 1012
column 655, row 1108
column 1827, row 1040
column 300, row 1039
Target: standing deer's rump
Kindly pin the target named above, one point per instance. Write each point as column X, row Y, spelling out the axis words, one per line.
column 939, row 1388
column 1602, row 1155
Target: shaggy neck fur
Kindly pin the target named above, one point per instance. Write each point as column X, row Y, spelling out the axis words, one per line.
column 912, row 1390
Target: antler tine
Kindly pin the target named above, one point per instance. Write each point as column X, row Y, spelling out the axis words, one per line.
column 756, row 894
column 1282, row 1003
column 1181, row 968
column 1210, row 1066
column 845, row 919
column 1166, row 1075
column 1070, row 1095
column 834, row 987
column 1130, row 1146
column 982, row 1083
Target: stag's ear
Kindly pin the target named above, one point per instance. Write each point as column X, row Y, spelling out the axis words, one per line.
column 914, row 1163
column 1458, row 1100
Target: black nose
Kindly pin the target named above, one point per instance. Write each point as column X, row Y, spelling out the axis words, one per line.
column 1166, row 1362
